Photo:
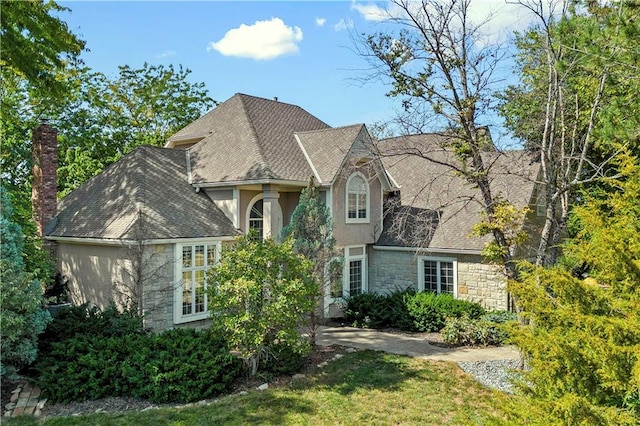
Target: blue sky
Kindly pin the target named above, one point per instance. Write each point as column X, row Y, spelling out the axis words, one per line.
column 300, row 51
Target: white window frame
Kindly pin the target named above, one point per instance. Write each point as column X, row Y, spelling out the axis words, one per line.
column 178, row 316
column 253, row 201
column 453, row 260
column 346, row 288
column 367, row 199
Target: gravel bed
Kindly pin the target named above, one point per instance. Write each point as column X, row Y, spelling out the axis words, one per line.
column 495, row 374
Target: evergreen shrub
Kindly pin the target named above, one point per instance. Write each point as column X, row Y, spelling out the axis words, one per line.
column 91, row 354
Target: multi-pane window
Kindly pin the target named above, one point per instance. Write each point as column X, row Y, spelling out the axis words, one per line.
column 354, row 279
column 195, row 261
column 438, row 275
column 256, row 218
column 357, row 198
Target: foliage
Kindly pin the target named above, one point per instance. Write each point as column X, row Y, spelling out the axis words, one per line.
column 311, row 230
column 483, row 331
column 36, row 44
column 262, row 293
column 575, row 105
column 429, row 311
column 113, row 116
column 582, row 342
column 508, row 219
column 22, row 317
column 91, row 321
column 407, row 310
column 181, row 365
column 373, row 310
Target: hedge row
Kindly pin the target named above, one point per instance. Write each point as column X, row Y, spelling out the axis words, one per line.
column 90, row 354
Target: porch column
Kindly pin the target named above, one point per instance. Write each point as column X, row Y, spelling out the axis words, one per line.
column 271, row 211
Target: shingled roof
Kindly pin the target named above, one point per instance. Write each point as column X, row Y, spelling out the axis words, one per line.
column 449, row 204
column 144, row 195
column 326, row 149
column 250, row 138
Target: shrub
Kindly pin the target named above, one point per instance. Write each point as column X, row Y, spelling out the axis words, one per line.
column 407, row 310
column 22, row 318
column 184, row 365
column 283, row 359
column 264, row 292
column 178, row 365
column 429, row 311
column 467, row 331
column 83, row 320
column 365, row 310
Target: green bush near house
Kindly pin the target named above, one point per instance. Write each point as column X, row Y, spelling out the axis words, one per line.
column 490, row 329
column 408, row 310
column 91, row 354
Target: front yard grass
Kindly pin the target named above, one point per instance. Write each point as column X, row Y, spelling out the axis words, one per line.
column 364, row 387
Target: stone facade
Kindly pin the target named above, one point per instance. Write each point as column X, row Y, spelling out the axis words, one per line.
column 391, row 270
column 481, row 282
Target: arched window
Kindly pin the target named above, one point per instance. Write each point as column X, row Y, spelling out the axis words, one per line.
column 255, row 217
column 357, row 198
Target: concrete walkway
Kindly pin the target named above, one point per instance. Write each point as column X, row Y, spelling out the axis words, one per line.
column 403, row 344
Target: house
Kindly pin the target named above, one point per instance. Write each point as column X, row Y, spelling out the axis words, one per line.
column 148, row 227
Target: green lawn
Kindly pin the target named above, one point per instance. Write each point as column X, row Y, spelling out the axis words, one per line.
column 361, row 388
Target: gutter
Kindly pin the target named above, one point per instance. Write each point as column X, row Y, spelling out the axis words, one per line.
column 429, row 250
column 296, row 183
column 121, row 242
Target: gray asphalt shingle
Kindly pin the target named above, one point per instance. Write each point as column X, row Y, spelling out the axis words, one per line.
column 144, row 195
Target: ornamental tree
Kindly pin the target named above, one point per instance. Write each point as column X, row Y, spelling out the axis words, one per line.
column 22, row 316
column 259, row 296
column 311, row 230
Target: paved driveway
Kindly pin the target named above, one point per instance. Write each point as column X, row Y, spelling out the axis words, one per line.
column 402, row 344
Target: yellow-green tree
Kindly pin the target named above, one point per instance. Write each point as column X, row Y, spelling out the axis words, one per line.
column 582, row 342
column 259, row 296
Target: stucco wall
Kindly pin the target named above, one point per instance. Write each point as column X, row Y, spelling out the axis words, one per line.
column 479, row 282
column 98, row 274
column 347, row 234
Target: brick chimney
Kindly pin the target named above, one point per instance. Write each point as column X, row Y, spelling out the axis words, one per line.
column 44, row 187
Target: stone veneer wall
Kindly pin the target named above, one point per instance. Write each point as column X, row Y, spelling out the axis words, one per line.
column 479, row 282
column 159, row 292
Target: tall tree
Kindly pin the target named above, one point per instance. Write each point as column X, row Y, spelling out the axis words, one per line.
column 311, row 230
column 37, row 60
column 439, row 64
column 575, row 105
column 111, row 117
column 36, row 45
column 582, row 344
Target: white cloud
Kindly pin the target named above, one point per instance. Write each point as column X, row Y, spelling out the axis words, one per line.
column 503, row 18
column 343, row 25
column 166, row 54
column 320, row 21
column 262, row 40
column 371, row 12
